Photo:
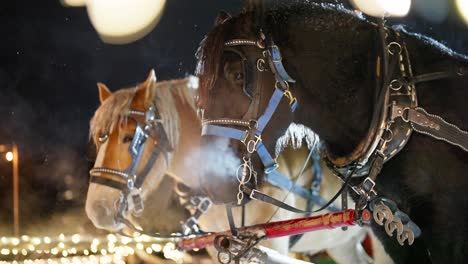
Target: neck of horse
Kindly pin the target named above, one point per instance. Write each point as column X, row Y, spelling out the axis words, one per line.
column 335, row 74
column 189, row 141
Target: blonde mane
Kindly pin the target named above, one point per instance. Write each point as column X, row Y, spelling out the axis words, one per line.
column 115, row 108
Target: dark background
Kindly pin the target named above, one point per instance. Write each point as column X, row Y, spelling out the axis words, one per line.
column 51, row 59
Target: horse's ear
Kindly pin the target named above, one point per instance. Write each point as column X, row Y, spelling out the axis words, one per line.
column 104, row 92
column 149, row 88
column 222, row 17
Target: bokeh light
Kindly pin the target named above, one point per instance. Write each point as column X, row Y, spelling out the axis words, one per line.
column 462, row 6
column 381, row 8
column 9, row 156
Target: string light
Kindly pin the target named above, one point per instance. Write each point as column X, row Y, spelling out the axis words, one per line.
column 79, row 248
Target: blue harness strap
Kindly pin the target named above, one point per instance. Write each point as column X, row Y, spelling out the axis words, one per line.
column 229, row 132
column 269, row 110
column 276, row 63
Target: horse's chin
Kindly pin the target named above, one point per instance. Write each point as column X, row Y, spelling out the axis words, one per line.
column 102, row 215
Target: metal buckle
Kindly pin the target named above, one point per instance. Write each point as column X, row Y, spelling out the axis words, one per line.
column 251, row 196
column 204, row 204
column 291, row 98
column 252, row 144
column 271, row 168
column 399, row 111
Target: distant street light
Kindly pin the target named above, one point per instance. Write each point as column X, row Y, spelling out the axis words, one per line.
column 12, row 156
column 9, row 156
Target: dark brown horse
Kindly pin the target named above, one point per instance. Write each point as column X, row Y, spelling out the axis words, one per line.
column 349, row 74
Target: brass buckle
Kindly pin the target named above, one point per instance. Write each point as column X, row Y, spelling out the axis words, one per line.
column 291, row 98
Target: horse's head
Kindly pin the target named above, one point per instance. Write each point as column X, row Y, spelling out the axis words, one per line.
column 241, row 87
column 131, row 140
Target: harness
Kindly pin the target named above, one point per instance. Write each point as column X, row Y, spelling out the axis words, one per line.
column 248, row 130
column 396, row 116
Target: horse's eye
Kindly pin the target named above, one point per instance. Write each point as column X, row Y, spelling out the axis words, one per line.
column 239, row 76
column 127, row 139
column 103, row 138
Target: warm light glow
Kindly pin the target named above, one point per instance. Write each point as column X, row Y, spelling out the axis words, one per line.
column 381, row 8
column 156, row 247
column 124, row 21
column 73, row 2
column 9, row 156
column 15, row 241
column 462, row 6
column 76, row 238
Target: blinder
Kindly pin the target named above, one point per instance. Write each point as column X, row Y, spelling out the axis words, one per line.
column 248, row 69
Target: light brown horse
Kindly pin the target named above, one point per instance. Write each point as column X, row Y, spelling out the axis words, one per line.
column 112, row 131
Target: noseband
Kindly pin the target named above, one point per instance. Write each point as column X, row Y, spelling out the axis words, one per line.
column 127, row 181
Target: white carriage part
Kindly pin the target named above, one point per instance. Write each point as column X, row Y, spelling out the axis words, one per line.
column 121, row 21
column 383, row 8
column 267, row 255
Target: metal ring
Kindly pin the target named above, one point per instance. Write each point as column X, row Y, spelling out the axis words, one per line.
column 393, row 86
column 261, row 65
column 390, row 137
column 403, row 114
column 394, row 44
column 286, row 85
column 243, row 179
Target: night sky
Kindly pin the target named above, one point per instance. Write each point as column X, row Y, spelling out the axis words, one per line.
column 50, row 61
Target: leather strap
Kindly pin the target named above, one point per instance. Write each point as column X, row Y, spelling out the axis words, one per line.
column 438, row 128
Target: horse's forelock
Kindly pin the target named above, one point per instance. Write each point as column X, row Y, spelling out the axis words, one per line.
column 110, row 112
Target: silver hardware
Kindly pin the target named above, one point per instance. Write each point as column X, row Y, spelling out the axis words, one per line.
column 135, row 201
column 243, row 177
column 389, row 138
column 252, row 194
column 261, row 65
column 406, row 234
column 381, row 213
column 394, row 45
column 392, row 225
column 395, row 85
column 252, row 144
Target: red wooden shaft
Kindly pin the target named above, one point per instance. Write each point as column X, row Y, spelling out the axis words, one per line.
column 279, row 229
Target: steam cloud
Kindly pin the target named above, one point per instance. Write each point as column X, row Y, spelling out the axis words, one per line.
column 216, row 159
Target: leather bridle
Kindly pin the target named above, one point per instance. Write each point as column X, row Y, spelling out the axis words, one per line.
column 128, row 181
column 253, row 124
